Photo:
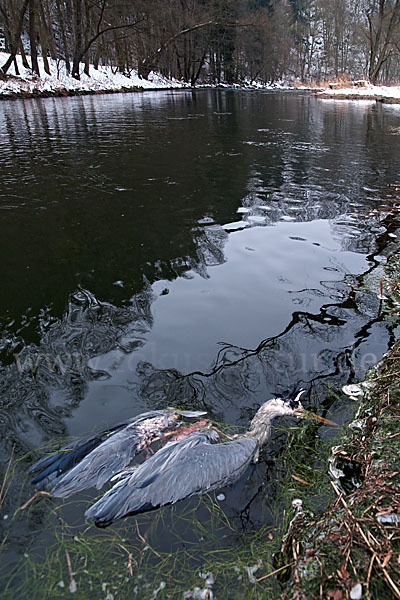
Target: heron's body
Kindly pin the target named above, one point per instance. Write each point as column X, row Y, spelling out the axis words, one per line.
column 193, row 464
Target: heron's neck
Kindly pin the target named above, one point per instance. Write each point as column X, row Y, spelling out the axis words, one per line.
column 261, row 430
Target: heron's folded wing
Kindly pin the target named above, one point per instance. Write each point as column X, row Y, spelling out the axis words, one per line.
column 197, row 469
column 52, row 468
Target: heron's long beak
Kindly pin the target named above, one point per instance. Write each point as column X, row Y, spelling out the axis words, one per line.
column 305, row 414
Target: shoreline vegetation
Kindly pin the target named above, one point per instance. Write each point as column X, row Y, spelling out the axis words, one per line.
column 352, row 550
column 108, row 80
column 103, row 80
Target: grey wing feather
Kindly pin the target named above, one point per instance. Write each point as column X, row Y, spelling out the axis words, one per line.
column 111, row 457
column 194, row 467
column 51, row 470
column 108, row 459
column 52, row 467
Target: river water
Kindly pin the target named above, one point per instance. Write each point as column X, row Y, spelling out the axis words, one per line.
column 199, row 249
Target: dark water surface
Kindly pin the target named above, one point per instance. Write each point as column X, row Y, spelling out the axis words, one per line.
column 140, row 232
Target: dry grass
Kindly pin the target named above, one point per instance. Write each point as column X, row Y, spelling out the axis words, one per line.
column 343, row 81
column 6, row 483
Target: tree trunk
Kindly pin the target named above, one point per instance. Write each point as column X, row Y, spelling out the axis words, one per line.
column 196, row 75
column 44, row 38
column 16, row 40
column 16, row 66
column 382, row 38
column 87, row 34
column 23, row 55
column 97, row 58
column 77, row 5
column 47, row 19
column 14, row 20
column 43, row 43
column 63, row 36
column 32, row 37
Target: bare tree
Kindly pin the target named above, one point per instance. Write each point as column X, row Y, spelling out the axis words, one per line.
column 33, row 36
column 15, row 38
column 383, row 34
column 210, row 40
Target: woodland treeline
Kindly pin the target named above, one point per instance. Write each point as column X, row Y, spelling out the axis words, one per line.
column 212, row 41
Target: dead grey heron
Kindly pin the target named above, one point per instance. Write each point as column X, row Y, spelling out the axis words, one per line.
column 195, row 464
column 191, row 466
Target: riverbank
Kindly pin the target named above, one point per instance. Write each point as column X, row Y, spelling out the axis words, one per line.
column 105, row 79
column 352, row 550
column 364, row 91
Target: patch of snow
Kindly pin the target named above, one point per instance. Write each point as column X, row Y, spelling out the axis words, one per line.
column 102, row 79
column 256, row 219
column 373, row 91
column 356, row 592
column 353, row 390
column 389, row 518
column 235, row 225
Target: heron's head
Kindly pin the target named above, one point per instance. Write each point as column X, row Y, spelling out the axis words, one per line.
column 278, row 407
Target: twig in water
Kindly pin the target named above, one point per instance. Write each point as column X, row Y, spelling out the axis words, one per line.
column 3, row 542
column 129, row 559
column 300, row 480
column 276, row 571
column 2, row 492
column 35, row 495
column 72, row 582
column 143, row 539
column 369, row 572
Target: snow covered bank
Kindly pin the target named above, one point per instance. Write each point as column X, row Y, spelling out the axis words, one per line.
column 59, row 83
column 380, row 93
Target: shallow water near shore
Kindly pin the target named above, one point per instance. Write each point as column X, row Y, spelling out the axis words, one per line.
column 193, row 249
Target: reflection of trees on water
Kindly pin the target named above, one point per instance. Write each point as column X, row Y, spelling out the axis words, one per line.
column 315, row 352
column 145, row 169
column 45, row 382
column 42, row 383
